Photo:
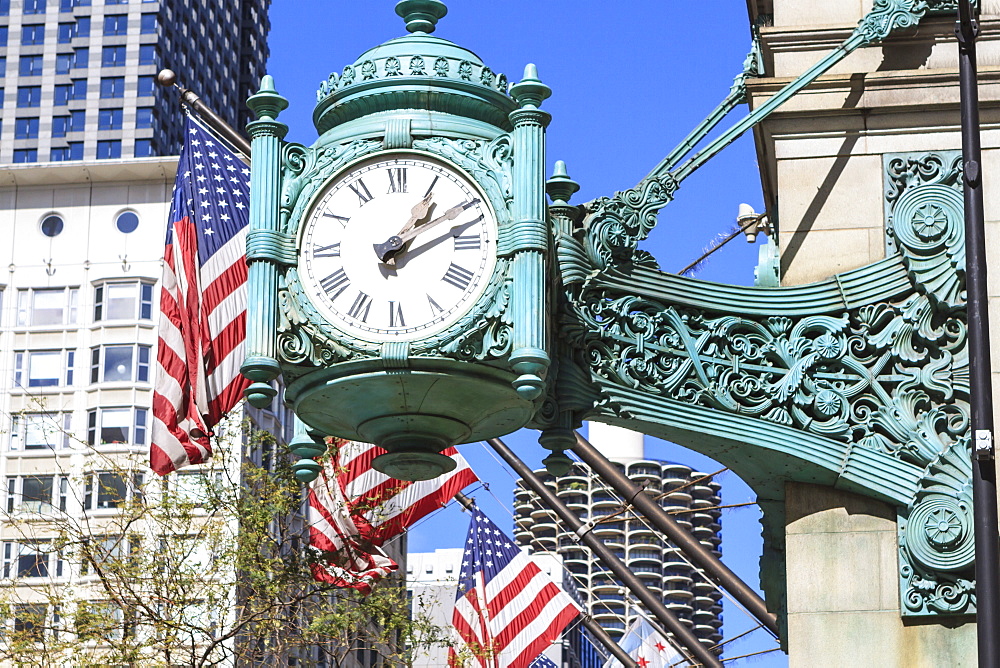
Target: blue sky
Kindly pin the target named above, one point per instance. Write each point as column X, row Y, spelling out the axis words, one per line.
column 629, row 80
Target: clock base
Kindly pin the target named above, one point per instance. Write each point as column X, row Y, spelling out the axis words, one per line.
column 413, row 412
column 413, row 465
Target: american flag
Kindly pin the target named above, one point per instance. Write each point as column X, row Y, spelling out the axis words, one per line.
column 354, row 509
column 202, row 302
column 345, row 559
column 384, row 507
column 507, row 611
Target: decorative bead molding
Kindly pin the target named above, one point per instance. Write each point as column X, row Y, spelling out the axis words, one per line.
column 415, row 66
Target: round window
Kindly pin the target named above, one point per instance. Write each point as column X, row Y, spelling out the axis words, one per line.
column 52, row 226
column 127, row 221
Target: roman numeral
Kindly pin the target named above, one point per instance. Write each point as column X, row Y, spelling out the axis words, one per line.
column 431, row 186
column 343, row 220
column 435, row 308
column 397, row 179
column 362, row 305
column 396, row 315
column 361, row 190
column 468, row 242
column 332, row 250
column 458, row 276
column 337, row 281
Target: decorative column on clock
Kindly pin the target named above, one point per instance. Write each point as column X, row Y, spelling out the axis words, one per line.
column 530, row 237
column 569, row 256
column 266, row 246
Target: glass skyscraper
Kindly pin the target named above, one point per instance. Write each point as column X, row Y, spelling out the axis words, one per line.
column 79, row 76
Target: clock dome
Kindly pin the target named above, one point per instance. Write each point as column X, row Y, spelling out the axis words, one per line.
column 419, row 73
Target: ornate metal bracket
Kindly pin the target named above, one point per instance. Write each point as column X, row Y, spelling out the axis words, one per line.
column 859, row 382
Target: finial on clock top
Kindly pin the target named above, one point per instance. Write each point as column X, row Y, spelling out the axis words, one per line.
column 421, row 15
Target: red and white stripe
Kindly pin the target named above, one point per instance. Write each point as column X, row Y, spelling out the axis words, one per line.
column 384, row 507
column 351, row 518
column 524, row 613
column 344, row 561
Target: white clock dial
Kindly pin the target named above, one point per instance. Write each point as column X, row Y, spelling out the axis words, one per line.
column 397, row 248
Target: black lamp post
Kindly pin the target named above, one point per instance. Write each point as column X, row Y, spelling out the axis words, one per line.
column 984, row 483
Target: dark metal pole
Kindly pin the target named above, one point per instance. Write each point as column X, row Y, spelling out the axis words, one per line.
column 699, row 555
column 602, row 636
column 681, row 633
column 984, row 484
column 595, row 629
column 211, row 119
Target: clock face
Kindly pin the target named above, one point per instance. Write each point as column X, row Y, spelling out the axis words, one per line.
column 397, row 248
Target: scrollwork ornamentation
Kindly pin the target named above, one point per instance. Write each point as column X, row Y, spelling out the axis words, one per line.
column 936, row 540
column 617, row 224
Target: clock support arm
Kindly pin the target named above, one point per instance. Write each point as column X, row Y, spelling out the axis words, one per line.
column 634, row 211
column 263, row 243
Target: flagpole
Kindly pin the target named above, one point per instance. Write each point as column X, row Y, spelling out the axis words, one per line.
column 167, row 78
column 684, row 637
column 714, row 569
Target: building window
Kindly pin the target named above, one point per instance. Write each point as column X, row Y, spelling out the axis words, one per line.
column 66, row 33
column 34, row 6
column 31, row 494
column 29, row 96
column 33, row 34
column 143, row 148
column 4, row 7
column 109, row 119
column 109, row 149
column 26, row 560
column 51, row 226
column 81, row 57
column 112, row 87
column 3, row 35
column 147, row 54
column 25, row 155
column 25, row 128
column 116, row 364
column 127, row 222
column 30, row 66
column 29, row 621
column 63, row 93
column 101, row 550
column 40, row 431
column 74, row 122
column 64, row 63
column 143, row 118
column 44, row 368
column 146, row 85
column 113, row 56
column 116, row 24
column 147, row 24
column 110, row 490
column 123, row 301
column 71, row 151
column 47, row 306
column 116, row 426
column 3, row 66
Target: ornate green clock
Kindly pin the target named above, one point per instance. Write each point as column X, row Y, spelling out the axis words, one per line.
column 397, row 247
column 398, row 266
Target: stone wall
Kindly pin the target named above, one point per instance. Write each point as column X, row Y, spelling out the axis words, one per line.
column 821, row 160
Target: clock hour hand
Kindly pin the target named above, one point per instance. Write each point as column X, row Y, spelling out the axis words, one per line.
column 395, row 243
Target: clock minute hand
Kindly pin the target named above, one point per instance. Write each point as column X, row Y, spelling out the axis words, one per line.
column 418, row 211
column 393, row 244
column 450, row 214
